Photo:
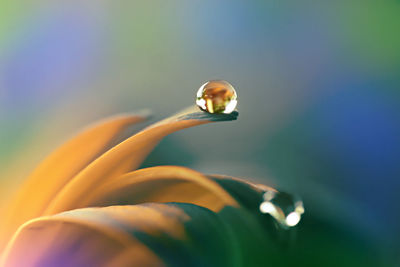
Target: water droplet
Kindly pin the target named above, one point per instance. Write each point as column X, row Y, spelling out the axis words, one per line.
column 216, row 96
column 285, row 208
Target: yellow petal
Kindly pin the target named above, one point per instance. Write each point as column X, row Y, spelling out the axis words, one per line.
column 152, row 234
column 161, row 184
column 56, row 170
column 75, row 240
column 142, row 235
column 126, row 156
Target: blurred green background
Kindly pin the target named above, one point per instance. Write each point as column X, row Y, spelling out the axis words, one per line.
column 318, row 86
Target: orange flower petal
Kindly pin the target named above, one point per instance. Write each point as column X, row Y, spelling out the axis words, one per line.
column 174, row 234
column 161, row 184
column 56, row 170
column 127, row 156
column 80, row 238
column 152, row 234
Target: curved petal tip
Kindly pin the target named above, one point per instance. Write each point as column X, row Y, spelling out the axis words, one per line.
column 210, row 116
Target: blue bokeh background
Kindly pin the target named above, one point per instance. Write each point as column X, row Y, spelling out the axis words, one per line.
column 318, row 86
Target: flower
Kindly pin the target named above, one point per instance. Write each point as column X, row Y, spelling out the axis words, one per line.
column 84, row 206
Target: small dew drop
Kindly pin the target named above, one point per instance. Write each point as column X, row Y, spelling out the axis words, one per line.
column 283, row 207
column 217, row 96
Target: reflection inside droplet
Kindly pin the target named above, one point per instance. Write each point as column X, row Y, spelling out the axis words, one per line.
column 285, row 208
column 293, row 218
column 267, row 207
column 216, row 96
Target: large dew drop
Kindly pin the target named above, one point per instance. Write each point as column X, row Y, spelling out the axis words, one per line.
column 216, row 96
